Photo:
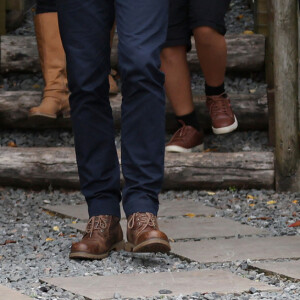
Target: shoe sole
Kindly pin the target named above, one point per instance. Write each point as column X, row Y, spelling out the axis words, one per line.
column 226, row 129
column 153, row 245
column 84, row 255
column 178, row 149
column 45, row 117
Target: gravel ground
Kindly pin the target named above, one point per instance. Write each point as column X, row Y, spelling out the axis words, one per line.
column 233, row 142
column 32, row 257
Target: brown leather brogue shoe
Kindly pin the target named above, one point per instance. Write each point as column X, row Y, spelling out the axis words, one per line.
column 222, row 116
column 103, row 234
column 143, row 234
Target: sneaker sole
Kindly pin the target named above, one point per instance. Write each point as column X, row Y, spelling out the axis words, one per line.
column 178, row 149
column 153, row 245
column 226, row 129
column 84, row 255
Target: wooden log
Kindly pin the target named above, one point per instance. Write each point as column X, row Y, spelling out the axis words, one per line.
column 245, row 53
column 286, row 95
column 41, row 167
column 251, row 111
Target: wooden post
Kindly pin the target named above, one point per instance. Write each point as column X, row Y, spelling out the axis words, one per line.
column 270, row 72
column 2, row 17
column 286, row 94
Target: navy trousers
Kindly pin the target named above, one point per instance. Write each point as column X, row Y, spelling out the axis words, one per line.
column 85, row 30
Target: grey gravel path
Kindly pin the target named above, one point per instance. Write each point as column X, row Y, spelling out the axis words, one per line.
column 33, row 257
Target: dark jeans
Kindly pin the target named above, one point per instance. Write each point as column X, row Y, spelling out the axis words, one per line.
column 45, row 6
column 85, row 30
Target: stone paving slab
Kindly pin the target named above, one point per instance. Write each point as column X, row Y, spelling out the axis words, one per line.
column 286, row 268
column 9, row 294
column 197, row 228
column 223, row 250
column 149, row 285
column 167, row 209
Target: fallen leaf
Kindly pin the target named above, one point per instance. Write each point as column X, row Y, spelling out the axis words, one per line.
column 263, row 218
column 190, row 215
column 211, row 193
column 211, row 150
column 11, row 144
column 74, row 222
column 296, row 224
column 271, row 202
column 8, row 242
column 240, row 17
column 72, row 235
column 252, row 91
column 295, row 201
column 55, row 228
column 49, row 239
column 36, row 86
column 252, row 204
column 50, row 213
column 248, row 32
column 250, row 197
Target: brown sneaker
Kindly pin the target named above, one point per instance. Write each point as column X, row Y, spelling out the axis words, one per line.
column 222, row 116
column 186, row 139
column 103, row 234
column 143, row 234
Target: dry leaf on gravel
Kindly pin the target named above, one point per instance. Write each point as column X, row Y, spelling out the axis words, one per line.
column 295, row 201
column 190, row 215
column 11, row 144
column 49, row 239
column 55, row 228
column 296, row 224
column 211, row 193
column 250, row 197
column 211, row 150
column 248, row 32
column 271, row 202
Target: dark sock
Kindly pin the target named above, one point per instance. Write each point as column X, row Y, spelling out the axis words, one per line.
column 190, row 120
column 214, row 90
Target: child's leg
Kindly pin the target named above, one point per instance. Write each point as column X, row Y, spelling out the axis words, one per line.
column 178, row 81
column 212, row 54
column 207, row 22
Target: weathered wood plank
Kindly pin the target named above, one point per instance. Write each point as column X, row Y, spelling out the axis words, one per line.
column 251, row 111
column 245, row 53
column 40, row 167
column 286, row 94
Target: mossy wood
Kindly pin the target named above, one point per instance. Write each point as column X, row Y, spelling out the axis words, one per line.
column 286, row 94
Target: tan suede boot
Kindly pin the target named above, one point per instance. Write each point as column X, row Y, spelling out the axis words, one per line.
column 53, row 62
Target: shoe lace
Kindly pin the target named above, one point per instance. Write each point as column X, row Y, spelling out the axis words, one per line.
column 96, row 223
column 219, row 105
column 143, row 220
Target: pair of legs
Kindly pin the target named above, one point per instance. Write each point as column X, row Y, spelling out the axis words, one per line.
column 205, row 20
column 142, row 28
